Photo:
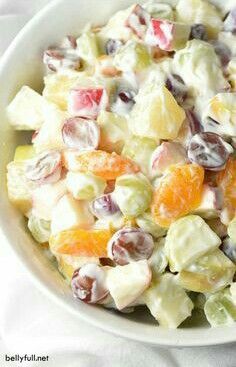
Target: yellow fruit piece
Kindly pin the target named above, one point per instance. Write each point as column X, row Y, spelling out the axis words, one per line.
column 81, row 242
column 210, row 273
column 199, row 11
column 57, row 87
column 156, row 114
column 24, row 152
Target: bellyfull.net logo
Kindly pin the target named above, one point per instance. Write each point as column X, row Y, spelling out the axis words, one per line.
column 26, row 358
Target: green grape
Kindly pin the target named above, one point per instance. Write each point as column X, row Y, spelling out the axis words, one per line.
column 39, row 228
column 220, row 309
column 133, row 193
column 140, row 150
column 133, row 56
column 146, row 223
column 85, row 186
column 158, row 261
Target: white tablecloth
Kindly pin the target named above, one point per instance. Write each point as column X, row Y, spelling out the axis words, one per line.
column 30, row 323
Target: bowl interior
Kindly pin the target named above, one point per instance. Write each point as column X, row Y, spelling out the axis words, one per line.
column 22, row 65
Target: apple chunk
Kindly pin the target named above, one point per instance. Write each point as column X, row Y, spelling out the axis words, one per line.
column 126, row 283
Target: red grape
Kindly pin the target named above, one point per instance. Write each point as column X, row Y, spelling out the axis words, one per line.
column 176, row 86
column 81, row 134
column 198, row 31
column 130, row 244
column 45, row 168
column 88, row 283
column 104, row 206
column 112, row 46
column 208, row 150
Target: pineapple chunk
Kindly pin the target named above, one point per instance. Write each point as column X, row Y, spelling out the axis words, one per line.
column 67, row 264
column 199, row 11
column 222, row 108
column 167, row 301
column 156, row 114
column 114, row 131
column 209, row 273
column 188, row 239
column 126, row 283
column 24, row 152
column 69, row 213
column 57, row 87
column 26, row 110
column 50, row 135
column 19, row 188
column 133, row 56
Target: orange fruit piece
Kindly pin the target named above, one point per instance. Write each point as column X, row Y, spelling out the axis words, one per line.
column 178, row 193
column 103, row 164
column 226, row 179
column 80, row 242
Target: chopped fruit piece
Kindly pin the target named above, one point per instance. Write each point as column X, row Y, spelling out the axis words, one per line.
column 19, row 187
column 133, row 193
column 159, row 10
column 146, row 222
column 24, row 152
column 221, row 108
column 114, row 131
column 45, row 197
column 198, row 31
column 57, row 87
column 166, row 155
column 209, row 273
column 140, row 150
column 226, row 179
column 220, row 309
column 167, row 35
column 167, row 301
column 69, row 213
column 177, row 193
column 81, row 134
column 133, row 56
column 211, row 202
column 26, row 110
column 44, row 168
column 187, row 240
column 106, row 165
column 156, row 114
column 130, row 244
column 112, row 46
column 87, row 102
column 89, row 283
column 39, row 228
column 127, row 283
column 199, row 11
column 104, row 206
column 61, row 58
column 158, row 261
column 209, row 150
column 88, row 47
column 138, row 20
column 81, row 242
column 85, row 186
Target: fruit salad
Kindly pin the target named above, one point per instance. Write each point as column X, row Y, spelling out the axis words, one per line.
column 129, row 179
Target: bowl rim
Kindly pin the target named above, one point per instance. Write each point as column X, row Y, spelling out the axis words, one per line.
column 154, row 340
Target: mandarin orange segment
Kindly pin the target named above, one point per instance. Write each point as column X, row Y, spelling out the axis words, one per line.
column 103, row 164
column 178, row 193
column 80, row 242
column 226, row 179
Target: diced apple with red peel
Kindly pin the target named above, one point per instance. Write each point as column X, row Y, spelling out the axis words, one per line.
column 127, row 283
column 211, row 202
column 45, row 197
column 138, row 20
column 165, row 155
column 87, row 101
column 168, row 36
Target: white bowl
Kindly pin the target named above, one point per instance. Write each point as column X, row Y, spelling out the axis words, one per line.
column 22, row 64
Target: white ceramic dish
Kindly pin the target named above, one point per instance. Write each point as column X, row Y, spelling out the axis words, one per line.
column 22, row 65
